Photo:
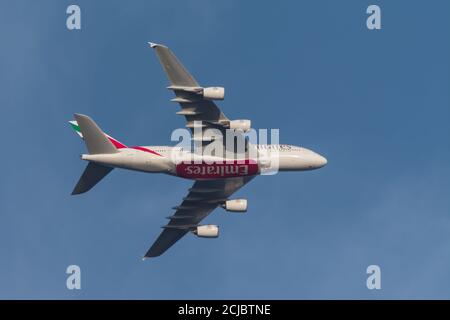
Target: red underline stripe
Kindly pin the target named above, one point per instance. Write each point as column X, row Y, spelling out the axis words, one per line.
column 146, row 150
column 120, row 145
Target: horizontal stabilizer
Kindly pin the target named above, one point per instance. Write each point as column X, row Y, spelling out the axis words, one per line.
column 90, row 177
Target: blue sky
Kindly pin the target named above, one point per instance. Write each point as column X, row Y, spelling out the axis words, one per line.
column 375, row 103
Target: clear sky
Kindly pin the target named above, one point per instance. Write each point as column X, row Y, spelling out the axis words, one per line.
column 375, row 103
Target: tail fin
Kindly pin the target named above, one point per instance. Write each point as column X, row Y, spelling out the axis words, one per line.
column 96, row 141
column 90, row 177
column 115, row 142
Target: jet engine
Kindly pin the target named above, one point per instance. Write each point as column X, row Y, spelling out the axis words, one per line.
column 241, row 124
column 237, row 205
column 214, row 93
column 207, row 231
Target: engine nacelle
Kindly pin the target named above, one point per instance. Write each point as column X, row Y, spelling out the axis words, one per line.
column 214, row 93
column 241, row 124
column 207, row 231
column 236, row 205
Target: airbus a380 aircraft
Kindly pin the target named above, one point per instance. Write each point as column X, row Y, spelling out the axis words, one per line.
column 215, row 178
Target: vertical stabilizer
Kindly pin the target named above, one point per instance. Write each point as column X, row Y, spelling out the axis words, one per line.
column 96, row 141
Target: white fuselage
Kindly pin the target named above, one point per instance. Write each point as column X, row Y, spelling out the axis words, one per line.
column 178, row 162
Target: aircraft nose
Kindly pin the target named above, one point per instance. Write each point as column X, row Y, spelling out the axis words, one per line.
column 320, row 161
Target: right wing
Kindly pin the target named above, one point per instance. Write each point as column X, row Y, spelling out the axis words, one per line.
column 202, row 199
column 186, row 90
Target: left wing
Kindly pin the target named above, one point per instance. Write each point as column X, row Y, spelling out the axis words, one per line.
column 202, row 199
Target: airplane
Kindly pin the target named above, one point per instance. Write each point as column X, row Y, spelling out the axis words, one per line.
column 214, row 181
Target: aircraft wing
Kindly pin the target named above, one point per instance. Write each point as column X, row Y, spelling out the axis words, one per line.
column 188, row 93
column 202, row 199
